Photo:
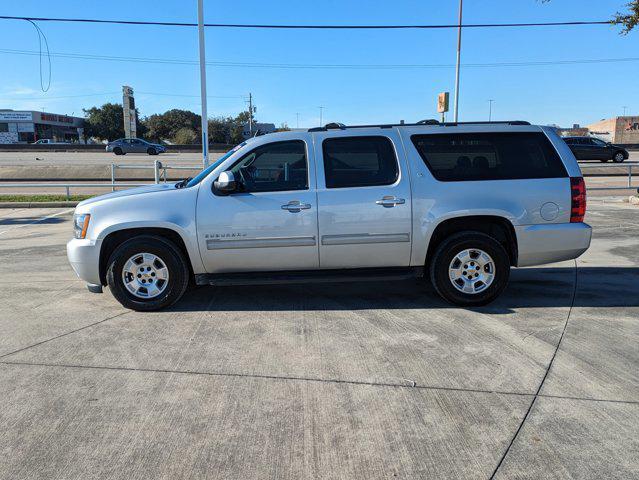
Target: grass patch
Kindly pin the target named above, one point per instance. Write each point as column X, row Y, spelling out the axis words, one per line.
column 43, row 198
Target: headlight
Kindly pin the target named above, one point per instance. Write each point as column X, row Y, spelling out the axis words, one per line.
column 81, row 224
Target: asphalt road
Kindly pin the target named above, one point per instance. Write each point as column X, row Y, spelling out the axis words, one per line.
column 341, row 381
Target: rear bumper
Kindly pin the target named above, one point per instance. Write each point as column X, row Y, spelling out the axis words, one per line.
column 540, row 244
column 84, row 257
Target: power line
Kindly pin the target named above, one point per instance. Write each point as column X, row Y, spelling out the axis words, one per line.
column 321, row 66
column 104, row 94
column 307, row 27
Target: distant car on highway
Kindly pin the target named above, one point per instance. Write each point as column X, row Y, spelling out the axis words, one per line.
column 123, row 146
column 590, row 148
column 48, row 141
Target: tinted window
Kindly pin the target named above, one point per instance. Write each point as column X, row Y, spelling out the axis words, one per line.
column 570, row 141
column 489, row 156
column 273, row 167
column 359, row 162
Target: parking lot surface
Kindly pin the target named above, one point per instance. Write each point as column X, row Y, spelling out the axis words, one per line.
column 339, row 381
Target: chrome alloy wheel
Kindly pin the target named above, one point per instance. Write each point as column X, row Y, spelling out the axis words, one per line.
column 471, row 271
column 145, row 275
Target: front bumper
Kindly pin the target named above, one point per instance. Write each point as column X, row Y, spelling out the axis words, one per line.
column 541, row 244
column 84, row 257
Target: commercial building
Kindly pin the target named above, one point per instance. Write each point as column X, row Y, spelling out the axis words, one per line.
column 617, row 130
column 27, row 126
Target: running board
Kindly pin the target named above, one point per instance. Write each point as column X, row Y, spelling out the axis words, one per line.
column 309, row 276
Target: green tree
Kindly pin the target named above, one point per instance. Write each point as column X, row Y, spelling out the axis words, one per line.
column 165, row 126
column 107, row 122
column 237, row 127
column 220, row 129
column 628, row 19
column 186, row 136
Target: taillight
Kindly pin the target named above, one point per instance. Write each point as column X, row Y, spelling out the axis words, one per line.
column 577, row 199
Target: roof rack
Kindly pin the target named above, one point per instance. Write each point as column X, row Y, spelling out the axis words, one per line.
column 341, row 126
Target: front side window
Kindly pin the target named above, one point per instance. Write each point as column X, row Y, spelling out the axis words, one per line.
column 599, row 143
column 489, row 156
column 359, row 162
column 274, row 167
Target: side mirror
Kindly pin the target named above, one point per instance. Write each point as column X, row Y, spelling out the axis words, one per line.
column 225, row 183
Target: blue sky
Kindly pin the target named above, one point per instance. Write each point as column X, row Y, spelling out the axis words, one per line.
column 562, row 94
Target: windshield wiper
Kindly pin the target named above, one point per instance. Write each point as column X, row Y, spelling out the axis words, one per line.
column 183, row 183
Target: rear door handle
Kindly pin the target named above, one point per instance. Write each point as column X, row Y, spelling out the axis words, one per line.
column 390, row 201
column 296, row 206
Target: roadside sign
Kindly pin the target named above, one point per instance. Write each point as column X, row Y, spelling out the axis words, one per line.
column 442, row 102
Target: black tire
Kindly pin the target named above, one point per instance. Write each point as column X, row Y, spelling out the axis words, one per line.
column 151, row 151
column 452, row 246
column 618, row 157
column 118, row 151
column 168, row 252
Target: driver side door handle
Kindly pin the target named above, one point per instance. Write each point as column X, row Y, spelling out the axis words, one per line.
column 296, row 206
column 390, row 201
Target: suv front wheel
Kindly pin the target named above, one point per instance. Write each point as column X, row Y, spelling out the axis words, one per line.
column 147, row 273
column 470, row 269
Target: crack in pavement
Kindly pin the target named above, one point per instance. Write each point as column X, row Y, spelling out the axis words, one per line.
column 408, row 384
column 64, row 334
column 543, row 380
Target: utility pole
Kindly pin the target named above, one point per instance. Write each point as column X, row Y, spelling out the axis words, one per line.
column 490, row 109
column 250, row 114
column 205, row 117
column 298, row 119
column 458, row 65
column 624, row 110
column 321, row 111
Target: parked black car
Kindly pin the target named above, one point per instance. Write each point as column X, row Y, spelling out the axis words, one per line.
column 591, row 148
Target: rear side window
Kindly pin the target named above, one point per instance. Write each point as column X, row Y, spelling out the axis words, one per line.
column 489, row 156
column 359, row 162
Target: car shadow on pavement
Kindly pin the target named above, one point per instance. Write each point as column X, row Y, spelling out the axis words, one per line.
column 27, row 220
column 528, row 288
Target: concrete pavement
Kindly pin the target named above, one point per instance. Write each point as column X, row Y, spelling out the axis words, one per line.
column 332, row 381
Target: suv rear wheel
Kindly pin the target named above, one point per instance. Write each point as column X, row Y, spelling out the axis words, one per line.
column 147, row 273
column 151, row 151
column 470, row 269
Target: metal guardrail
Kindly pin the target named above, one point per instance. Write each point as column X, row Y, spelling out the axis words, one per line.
column 159, row 175
column 627, row 166
column 159, row 170
column 69, row 186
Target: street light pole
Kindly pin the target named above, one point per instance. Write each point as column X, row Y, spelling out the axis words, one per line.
column 457, row 65
column 490, row 109
column 321, row 111
column 205, row 118
column 298, row 119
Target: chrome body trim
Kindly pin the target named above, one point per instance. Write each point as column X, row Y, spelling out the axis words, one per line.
column 365, row 238
column 219, row 244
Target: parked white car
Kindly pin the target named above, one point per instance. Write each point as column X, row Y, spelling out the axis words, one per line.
column 459, row 204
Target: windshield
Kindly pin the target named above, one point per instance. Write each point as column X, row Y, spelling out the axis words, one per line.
column 204, row 173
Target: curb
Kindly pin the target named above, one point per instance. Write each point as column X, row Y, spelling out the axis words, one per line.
column 37, row 204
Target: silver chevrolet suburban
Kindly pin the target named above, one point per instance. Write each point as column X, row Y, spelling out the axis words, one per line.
column 459, row 203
